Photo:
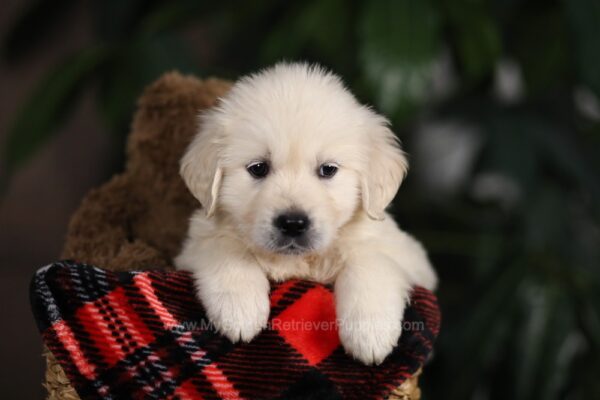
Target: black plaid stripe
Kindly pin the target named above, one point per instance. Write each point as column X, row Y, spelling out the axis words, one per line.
column 41, row 298
column 266, row 365
column 176, row 292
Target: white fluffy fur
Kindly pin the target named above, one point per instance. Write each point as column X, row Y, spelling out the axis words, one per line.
column 297, row 117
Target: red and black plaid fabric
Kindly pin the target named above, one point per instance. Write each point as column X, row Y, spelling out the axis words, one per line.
column 144, row 335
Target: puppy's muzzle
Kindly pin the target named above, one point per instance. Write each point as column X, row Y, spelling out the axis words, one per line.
column 292, row 224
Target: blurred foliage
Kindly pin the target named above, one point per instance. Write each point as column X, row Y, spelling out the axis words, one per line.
column 520, row 274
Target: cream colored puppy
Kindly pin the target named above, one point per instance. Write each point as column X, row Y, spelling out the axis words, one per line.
column 294, row 176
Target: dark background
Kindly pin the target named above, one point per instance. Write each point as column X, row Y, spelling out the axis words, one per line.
column 496, row 101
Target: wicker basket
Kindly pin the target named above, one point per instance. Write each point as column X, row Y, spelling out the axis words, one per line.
column 139, row 218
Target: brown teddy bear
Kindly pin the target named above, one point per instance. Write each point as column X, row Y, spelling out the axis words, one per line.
column 139, row 218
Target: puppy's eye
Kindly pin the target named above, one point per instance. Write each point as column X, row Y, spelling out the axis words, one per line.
column 327, row 170
column 258, row 169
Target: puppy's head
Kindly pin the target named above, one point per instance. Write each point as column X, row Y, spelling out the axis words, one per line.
column 289, row 156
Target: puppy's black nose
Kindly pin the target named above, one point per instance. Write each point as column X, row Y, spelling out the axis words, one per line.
column 292, row 224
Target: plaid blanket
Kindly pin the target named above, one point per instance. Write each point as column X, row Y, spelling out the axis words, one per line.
column 143, row 334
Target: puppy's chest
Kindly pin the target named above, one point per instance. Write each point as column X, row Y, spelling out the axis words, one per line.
column 319, row 268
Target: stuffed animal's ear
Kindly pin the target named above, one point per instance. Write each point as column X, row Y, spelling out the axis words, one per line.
column 387, row 166
column 199, row 166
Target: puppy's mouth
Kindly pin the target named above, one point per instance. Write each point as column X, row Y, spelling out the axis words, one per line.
column 293, row 249
column 291, row 246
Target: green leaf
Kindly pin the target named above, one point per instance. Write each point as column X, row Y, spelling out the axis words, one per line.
column 309, row 30
column 540, row 233
column 480, row 335
column 399, row 42
column 584, row 23
column 544, row 67
column 475, row 35
column 116, row 19
column 172, row 15
column 47, row 106
column 547, row 341
column 134, row 67
column 510, row 149
column 563, row 343
column 559, row 148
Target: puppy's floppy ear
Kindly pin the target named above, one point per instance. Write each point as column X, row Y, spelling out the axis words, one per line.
column 387, row 166
column 200, row 167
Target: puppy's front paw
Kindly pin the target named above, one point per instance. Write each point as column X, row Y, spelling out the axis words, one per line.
column 369, row 337
column 238, row 315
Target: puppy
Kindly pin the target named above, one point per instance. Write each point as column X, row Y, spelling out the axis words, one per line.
column 294, row 176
